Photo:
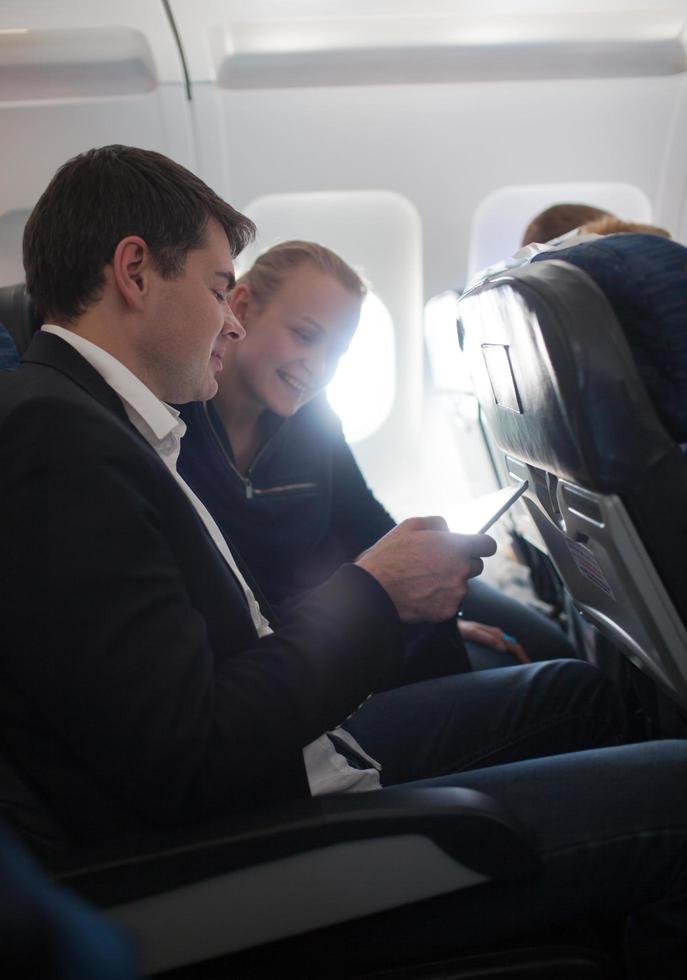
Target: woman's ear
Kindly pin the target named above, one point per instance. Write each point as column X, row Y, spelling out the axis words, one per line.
column 131, row 270
column 240, row 301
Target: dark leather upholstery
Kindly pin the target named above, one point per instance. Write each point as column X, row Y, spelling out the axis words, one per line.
column 9, row 357
column 565, row 396
column 556, row 379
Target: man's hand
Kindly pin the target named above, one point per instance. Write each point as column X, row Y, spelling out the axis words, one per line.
column 425, row 568
column 492, row 636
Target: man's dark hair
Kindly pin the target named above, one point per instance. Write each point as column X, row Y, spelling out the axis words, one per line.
column 559, row 219
column 97, row 199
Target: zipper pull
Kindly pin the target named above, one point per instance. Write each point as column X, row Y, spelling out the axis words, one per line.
column 249, row 489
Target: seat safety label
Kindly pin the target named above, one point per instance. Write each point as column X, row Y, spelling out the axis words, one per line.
column 588, row 566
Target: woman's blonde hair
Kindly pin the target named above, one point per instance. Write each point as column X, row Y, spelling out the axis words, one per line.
column 269, row 270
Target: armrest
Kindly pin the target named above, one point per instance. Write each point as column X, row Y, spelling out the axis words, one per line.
column 204, row 892
column 466, row 825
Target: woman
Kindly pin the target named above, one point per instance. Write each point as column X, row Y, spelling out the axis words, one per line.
column 269, row 458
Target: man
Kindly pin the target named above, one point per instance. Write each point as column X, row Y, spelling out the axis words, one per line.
column 142, row 683
column 150, row 688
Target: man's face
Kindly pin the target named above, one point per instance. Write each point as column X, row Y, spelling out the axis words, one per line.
column 190, row 324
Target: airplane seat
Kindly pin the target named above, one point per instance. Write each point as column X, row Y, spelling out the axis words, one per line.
column 9, row 357
column 19, row 319
column 567, row 354
column 199, row 896
column 262, row 892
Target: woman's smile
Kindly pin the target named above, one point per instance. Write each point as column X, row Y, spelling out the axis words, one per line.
column 293, row 382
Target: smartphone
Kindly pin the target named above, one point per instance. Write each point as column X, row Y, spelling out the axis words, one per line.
column 479, row 514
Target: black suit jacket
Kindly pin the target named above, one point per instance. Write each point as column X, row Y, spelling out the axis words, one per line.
column 134, row 690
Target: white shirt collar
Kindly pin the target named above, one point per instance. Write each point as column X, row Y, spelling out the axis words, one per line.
column 153, row 418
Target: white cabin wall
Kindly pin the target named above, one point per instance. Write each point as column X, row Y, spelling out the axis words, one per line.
column 77, row 75
column 671, row 198
column 445, row 147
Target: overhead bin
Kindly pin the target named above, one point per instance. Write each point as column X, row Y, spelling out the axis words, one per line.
column 76, row 75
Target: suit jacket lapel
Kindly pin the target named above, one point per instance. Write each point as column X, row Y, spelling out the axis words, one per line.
column 53, row 352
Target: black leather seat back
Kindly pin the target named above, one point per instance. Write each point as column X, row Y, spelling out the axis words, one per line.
column 18, row 315
column 562, row 394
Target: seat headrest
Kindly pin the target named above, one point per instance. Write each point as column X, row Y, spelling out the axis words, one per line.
column 18, row 315
column 644, row 278
column 556, row 378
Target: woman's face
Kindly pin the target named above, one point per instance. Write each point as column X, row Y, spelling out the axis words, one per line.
column 293, row 343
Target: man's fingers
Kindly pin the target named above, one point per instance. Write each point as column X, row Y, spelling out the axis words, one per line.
column 425, row 568
column 482, row 545
column 432, row 523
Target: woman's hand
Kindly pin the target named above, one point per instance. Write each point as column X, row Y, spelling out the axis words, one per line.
column 491, row 636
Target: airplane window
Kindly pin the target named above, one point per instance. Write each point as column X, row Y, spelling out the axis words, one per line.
column 502, row 216
column 362, row 391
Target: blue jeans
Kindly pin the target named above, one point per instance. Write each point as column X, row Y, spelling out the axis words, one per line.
column 467, row 721
column 611, row 828
column 610, row 824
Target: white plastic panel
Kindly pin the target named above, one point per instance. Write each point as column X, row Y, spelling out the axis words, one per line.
column 258, row 44
column 78, row 75
column 289, row 896
column 112, row 22
column 73, row 63
column 443, row 147
column 671, row 202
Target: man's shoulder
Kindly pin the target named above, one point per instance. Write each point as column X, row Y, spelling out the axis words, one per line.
column 47, row 416
column 33, row 385
column 34, row 389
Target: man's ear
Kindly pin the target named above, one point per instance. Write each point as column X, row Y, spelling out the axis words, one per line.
column 131, row 268
column 240, row 301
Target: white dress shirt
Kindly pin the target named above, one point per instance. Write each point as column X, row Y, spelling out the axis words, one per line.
column 327, row 770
